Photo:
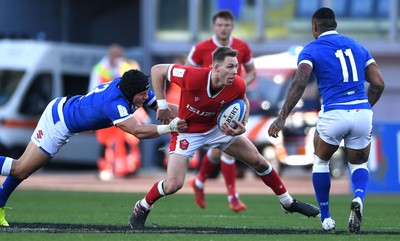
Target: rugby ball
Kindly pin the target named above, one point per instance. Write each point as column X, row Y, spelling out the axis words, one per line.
column 233, row 111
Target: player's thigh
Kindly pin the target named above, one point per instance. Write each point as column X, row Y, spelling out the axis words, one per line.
column 333, row 126
column 31, row 160
column 244, row 150
column 361, row 130
column 322, row 149
column 360, row 156
column 176, row 170
column 358, row 141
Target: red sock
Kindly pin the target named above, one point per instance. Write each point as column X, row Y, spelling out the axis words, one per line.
column 273, row 181
column 206, row 168
column 229, row 173
column 154, row 194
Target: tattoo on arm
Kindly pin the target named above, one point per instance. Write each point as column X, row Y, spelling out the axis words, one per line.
column 374, row 93
column 296, row 89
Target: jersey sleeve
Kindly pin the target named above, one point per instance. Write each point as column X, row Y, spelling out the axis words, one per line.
column 151, row 100
column 193, row 57
column 305, row 57
column 177, row 74
column 368, row 57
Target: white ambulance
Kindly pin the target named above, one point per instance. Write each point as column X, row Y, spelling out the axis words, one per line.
column 32, row 73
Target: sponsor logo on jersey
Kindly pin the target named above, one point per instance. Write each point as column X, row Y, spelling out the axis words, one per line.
column 122, row 110
column 196, row 99
column 39, row 134
column 183, row 144
column 177, row 72
column 199, row 112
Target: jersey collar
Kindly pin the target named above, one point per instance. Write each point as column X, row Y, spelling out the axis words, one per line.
column 328, row 32
column 218, row 44
column 209, row 87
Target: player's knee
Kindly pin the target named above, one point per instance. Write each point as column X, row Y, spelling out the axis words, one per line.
column 18, row 171
column 172, row 186
column 354, row 167
column 260, row 164
column 320, row 165
column 214, row 155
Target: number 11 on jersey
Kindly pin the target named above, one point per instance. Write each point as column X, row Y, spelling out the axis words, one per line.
column 339, row 54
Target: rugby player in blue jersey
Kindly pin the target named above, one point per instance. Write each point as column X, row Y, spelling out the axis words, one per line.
column 109, row 104
column 341, row 66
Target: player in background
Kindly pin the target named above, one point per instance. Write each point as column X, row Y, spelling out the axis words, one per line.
column 109, row 104
column 341, row 66
column 204, row 92
column 201, row 56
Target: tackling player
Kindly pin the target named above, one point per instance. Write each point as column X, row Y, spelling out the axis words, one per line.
column 109, row 104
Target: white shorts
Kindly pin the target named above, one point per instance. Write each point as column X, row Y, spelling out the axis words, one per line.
column 186, row 144
column 352, row 126
column 51, row 132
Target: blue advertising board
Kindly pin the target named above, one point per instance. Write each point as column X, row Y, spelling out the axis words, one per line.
column 384, row 161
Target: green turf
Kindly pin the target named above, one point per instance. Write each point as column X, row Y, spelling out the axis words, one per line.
column 381, row 216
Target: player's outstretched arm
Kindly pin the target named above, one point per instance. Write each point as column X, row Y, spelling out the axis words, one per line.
column 296, row 90
column 144, row 131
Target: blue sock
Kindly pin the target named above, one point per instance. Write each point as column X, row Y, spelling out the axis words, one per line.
column 359, row 179
column 2, row 159
column 9, row 185
column 322, row 186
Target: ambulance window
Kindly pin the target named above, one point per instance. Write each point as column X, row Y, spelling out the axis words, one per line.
column 75, row 84
column 38, row 95
column 9, row 80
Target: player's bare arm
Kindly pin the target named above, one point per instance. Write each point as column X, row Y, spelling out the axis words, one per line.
column 133, row 126
column 376, row 83
column 296, row 90
column 174, row 110
column 158, row 77
column 173, row 107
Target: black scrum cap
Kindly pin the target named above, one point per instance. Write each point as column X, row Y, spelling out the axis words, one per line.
column 133, row 82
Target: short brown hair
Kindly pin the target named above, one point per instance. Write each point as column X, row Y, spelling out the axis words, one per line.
column 225, row 14
column 220, row 54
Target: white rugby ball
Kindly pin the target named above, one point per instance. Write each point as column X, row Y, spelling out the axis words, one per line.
column 233, row 111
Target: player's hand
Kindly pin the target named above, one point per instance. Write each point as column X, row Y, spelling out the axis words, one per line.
column 178, row 125
column 276, row 127
column 164, row 115
column 228, row 130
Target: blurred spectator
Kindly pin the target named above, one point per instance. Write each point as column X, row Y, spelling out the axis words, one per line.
column 120, row 152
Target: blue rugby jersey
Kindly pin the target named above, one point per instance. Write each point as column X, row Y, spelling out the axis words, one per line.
column 102, row 107
column 339, row 64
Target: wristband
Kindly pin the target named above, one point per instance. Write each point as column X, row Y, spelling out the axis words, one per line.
column 163, row 129
column 162, row 104
column 171, row 127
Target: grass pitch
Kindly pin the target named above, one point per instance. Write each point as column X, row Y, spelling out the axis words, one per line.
column 61, row 215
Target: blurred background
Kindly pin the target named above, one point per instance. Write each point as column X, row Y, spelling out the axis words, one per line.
column 48, row 47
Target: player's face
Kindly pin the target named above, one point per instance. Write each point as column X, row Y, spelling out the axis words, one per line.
column 140, row 98
column 223, row 28
column 227, row 70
